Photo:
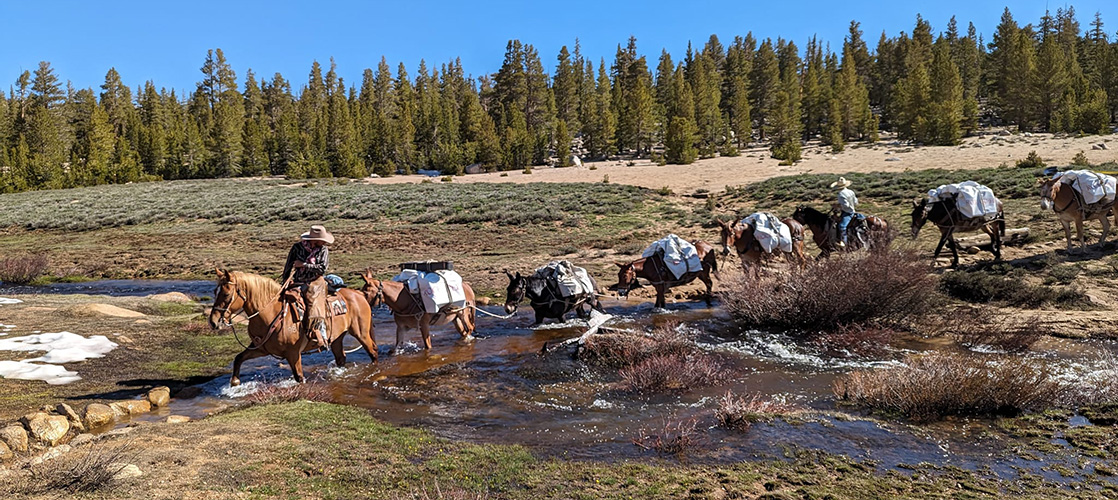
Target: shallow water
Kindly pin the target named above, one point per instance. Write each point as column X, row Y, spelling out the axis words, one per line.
column 501, row 389
column 116, row 288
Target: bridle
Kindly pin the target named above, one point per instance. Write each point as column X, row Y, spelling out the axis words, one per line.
column 377, row 298
column 1051, row 199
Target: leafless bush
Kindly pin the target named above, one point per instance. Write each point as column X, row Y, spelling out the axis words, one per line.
column 667, row 373
column 274, row 393
column 982, row 327
column 196, row 327
column 889, row 286
column 79, row 472
column 622, row 348
column 674, row 438
column 856, row 340
column 22, row 269
column 740, row 412
column 929, row 387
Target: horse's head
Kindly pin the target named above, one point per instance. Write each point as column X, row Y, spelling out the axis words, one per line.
column 800, row 214
column 626, row 278
column 919, row 215
column 373, row 289
column 1049, row 189
column 227, row 300
column 728, row 237
column 518, row 286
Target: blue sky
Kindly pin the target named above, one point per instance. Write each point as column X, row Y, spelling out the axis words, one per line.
column 167, row 41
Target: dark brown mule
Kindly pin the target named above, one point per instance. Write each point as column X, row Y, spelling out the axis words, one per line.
column 1069, row 207
column 271, row 334
column 946, row 216
column 874, row 231
column 740, row 237
column 409, row 313
column 656, row 271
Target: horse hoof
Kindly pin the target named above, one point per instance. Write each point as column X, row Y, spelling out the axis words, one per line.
column 468, row 338
column 234, row 382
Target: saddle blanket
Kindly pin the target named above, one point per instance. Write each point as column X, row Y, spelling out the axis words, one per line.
column 335, row 306
column 570, row 280
column 680, row 255
column 436, row 290
column 1094, row 187
column 971, row 198
column 770, row 232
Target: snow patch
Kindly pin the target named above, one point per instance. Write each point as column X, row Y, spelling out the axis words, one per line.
column 51, row 374
column 4, row 301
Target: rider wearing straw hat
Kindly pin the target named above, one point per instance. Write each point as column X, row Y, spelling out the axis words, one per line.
column 847, row 203
column 305, row 267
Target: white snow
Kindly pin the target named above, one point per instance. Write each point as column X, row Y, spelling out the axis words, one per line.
column 60, row 347
column 4, row 301
column 51, row 374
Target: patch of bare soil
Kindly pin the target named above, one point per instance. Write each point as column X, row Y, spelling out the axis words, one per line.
column 756, row 164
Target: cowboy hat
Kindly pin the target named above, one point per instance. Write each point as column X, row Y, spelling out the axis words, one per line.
column 841, row 182
column 318, row 233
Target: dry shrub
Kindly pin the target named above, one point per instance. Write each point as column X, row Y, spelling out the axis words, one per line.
column 674, row 438
column 930, row 387
column 196, row 327
column 983, row 327
column 884, row 287
column 666, row 373
column 22, row 269
column 442, row 493
column 856, row 340
column 621, row 348
column 740, row 412
column 78, row 471
column 273, row 393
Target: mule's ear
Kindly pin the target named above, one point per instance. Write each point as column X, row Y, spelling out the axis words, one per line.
column 620, row 264
column 916, row 203
column 518, row 275
column 507, row 273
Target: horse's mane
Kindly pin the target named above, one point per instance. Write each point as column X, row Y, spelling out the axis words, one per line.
column 813, row 216
column 258, row 290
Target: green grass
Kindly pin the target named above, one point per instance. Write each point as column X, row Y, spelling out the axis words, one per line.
column 241, row 201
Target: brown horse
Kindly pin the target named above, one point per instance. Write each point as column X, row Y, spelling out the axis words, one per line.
column 1069, row 207
column 867, row 233
column 740, row 237
column 946, row 216
column 272, row 333
column 656, row 271
column 409, row 313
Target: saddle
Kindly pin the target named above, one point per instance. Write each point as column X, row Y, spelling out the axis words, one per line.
column 294, row 309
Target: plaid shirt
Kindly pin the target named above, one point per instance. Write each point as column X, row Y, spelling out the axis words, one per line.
column 315, row 263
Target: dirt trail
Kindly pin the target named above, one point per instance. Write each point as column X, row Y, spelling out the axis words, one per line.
column 755, row 164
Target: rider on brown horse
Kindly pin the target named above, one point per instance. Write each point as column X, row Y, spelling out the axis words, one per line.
column 304, row 270
column 847, row 205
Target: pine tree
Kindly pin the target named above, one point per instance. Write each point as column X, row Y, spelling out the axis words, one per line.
column 766, row 83
column 735, row 88
column 816, row 98
column 254, row 158
column 608, row 125
column 562, row 144
column 785, row 119
column 706, row 85
column 402, row 122
column 47, row 133
column 945, row 109
column 679, row 142
column 566, row 90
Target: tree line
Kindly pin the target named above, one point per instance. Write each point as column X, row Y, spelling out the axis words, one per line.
column 928, row 88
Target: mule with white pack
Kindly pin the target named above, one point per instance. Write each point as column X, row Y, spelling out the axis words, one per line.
column 1078, row 196
column 954, row 208
column 553, row 291
column 423, row 295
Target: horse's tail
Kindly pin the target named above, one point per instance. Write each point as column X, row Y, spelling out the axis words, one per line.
column 1001, row 224
column 714, row 265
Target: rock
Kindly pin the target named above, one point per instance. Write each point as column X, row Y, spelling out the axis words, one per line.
column 68, row 412
column 103, row 310
column 1096, row 147
column 177, row 419
column 131, row 407
column 125, row 471
column 171, row 297
column 1102, row 146
column 51, row 454
column 483, row 301
column 15, row 437
column 97, row 415
column 474, row 169
column 159, row 396
column 6, row 454
column 892, row 158
column 49, row 429
column 119, row 431
column 81, row 439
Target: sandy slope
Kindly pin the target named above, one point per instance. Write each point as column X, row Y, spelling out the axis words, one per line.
column 755, row 164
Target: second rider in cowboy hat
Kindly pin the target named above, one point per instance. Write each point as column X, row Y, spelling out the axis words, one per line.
column 847, row 204
column 305, row 267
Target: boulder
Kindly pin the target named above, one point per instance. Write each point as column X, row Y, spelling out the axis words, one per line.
column 46, row 428
column 177, row 419
column 159, row 396
column 171, row 297
column 125, row 471
column 15, row 437
column 103, row 310
column 51, row 454
column 97, row 415
column 483, row 301
column 71, row 415
column 131, row 407
column 6, row 454
column 81, row 439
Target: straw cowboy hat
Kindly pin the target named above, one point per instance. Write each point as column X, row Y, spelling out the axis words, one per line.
column 841, row 182
column 318, row 233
